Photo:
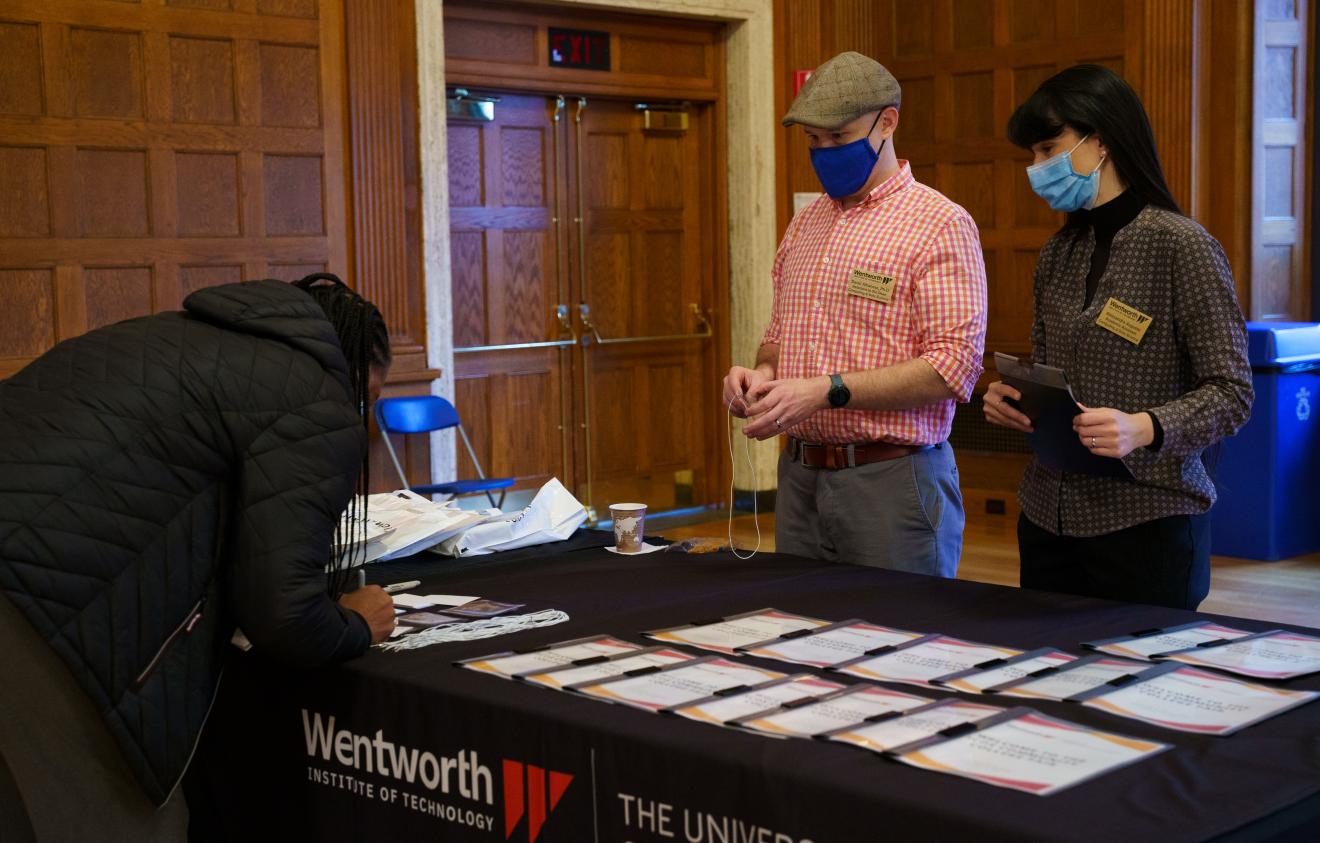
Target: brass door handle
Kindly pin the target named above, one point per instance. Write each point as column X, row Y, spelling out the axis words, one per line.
column 703, row 322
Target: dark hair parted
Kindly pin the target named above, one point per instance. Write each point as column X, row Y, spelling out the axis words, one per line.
column 365, row 343
column 1091, row 99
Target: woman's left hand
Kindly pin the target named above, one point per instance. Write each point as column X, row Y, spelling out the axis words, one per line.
column 1113, row 433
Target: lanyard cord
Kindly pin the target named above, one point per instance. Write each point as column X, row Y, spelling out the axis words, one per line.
column 756, row 515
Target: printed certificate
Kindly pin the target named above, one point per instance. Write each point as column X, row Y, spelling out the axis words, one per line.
column 928, row 657
column 1032, row 753
column 914, row 725
column 1075, row 677
column 767, row 697
column 510, row 664
column 1269, row 655
column 1143, row 645
column 848, row 707
column 976, row 680
column 678, row 684
column 830, row 645
column 1192, row 700
column 567, row 676
column 726, row 635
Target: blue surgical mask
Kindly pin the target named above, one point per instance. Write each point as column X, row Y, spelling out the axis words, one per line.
column 843, row 170
column 1055, row 181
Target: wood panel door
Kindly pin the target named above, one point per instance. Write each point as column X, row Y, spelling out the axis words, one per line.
column 645, row 283
column 506, row 186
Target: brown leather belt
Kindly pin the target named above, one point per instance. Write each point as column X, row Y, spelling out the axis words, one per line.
column 814, row 455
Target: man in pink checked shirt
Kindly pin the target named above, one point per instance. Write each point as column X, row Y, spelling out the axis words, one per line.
column 877, row 330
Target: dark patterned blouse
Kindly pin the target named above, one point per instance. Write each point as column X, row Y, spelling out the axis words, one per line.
column 1189, row 370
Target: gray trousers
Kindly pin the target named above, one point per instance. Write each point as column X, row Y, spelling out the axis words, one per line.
column 70, row 775
column 905, row 514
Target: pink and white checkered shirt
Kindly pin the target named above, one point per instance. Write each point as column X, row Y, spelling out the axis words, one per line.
column 931, row 248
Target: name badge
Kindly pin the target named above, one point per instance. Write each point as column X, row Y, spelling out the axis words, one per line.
column 1124, row 320
column 871, row 285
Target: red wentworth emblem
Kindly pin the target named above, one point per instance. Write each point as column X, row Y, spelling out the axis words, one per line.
column 531, row 799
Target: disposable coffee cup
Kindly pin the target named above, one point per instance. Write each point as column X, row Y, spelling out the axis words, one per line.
column 629, row 524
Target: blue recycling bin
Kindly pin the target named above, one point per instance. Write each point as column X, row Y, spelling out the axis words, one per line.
column 1269, row 474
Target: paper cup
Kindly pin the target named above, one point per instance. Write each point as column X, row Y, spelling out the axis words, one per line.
column 629, row 524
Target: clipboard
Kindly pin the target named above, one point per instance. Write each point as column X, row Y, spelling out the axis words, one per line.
column 1048, row 401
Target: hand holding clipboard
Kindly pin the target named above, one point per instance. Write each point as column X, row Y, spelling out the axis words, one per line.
column 1047, row 400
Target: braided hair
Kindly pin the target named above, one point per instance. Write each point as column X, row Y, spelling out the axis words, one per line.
column 365, row 343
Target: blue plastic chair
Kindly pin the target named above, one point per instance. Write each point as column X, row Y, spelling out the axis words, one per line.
column 424, row 414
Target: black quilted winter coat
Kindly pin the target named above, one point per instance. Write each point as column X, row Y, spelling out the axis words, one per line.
column 168, row 478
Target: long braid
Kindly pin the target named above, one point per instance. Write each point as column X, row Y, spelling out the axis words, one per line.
column 365, row 342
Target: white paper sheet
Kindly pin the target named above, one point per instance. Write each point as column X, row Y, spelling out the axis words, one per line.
column 425, row 601
column 918, row 664
column 1192, row 700
column 834, row 713
column 565, row 676
column 832, row 646
column 646, row 548
column 726, row 636
column 1075, row 680
column 914, row 726
column 976, row 683
column 513, row 664
column 1278, row 655
column 1033, row 753
column 1165, row 642
column 732, row 707
column 683, row 684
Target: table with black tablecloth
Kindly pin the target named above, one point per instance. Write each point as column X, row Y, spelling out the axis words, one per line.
column 520, row 759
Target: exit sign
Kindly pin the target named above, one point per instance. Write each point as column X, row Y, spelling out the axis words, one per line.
column 580, row 49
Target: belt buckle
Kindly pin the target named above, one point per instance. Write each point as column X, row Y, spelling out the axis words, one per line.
column 802, row 448
column 838, row 457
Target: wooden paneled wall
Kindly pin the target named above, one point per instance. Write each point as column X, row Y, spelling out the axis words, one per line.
column 149, row 149
column 152, row 147
column 966, row 64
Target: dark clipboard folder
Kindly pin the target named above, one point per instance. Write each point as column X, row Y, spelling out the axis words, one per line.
column 1048, row 401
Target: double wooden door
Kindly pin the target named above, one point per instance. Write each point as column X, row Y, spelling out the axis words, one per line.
column 582, row 254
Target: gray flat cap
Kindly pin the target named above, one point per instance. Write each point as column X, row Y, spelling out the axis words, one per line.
column 843, row 89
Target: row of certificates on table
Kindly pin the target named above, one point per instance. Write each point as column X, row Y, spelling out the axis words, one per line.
column 1018, row 747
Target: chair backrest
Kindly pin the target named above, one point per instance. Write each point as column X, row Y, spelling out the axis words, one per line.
column 415, row 414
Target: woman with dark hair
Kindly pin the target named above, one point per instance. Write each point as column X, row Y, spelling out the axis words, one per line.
column 1136, row 303
column 164, row 481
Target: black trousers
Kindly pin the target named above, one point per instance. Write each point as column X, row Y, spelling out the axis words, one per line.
column 1165, row 562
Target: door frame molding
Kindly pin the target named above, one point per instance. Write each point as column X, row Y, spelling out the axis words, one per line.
column 748, row 113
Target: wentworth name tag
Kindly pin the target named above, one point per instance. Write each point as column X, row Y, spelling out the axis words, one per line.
column 1124, row 320
column 871, row 285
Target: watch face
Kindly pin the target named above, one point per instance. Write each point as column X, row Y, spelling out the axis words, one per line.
column 839, row 395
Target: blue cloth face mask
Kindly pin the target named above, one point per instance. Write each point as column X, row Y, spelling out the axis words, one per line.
column 843, row 170
column 1055, row 181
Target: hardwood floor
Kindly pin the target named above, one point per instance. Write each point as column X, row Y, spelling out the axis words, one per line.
column 1287, row 591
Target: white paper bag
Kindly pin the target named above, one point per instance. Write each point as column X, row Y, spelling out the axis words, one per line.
column 553, row 515
column 418, row 523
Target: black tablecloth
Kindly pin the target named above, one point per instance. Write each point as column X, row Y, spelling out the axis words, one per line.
column 642, row 777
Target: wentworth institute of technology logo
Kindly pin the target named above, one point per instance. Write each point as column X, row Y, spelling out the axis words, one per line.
column 532, row 791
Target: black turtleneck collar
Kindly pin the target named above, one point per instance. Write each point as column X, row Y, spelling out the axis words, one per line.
column 1108, row 218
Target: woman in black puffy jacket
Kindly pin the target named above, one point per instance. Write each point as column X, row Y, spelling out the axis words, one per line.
column 163, row 481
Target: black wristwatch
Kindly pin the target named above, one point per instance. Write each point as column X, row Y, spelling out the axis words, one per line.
column 839, row 394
